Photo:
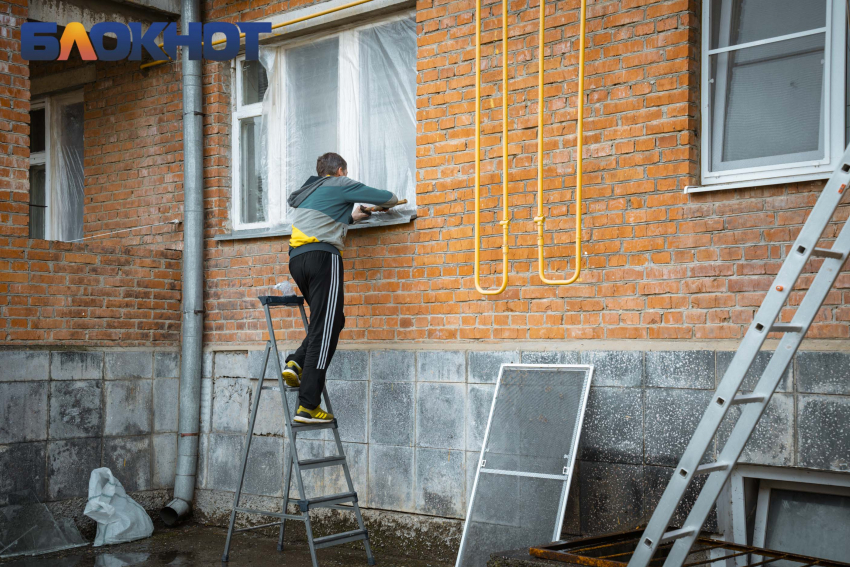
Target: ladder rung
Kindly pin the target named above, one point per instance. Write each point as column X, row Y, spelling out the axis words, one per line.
column 338, row 539
column 711, row 467
column 676, row 534
column 785, row 328
column 256, row 527
column 296, row 427
column 272, row 388
column 308, row 464
column 747, row 399
column 272, row 514
column 323, row 501
column 824, row 253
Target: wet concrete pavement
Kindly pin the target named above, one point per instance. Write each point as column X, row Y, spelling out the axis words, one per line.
column 193, row 545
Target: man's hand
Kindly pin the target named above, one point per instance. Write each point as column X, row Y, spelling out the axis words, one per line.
column 360, row 213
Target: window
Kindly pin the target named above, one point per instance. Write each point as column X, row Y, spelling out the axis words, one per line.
column 773, row 90
column 350, row 92
column 802, row 518
column 789, row 509
column 56, row 168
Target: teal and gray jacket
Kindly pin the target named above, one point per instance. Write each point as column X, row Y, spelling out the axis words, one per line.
column 323, row 212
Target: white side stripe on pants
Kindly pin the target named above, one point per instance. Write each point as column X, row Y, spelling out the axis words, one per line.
column 330, row 313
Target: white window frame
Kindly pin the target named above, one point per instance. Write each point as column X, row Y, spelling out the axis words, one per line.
column 48, row 103
column 349, row 123
column 238, row 113
column 803, row 480
column 833, row 108
column 43, row 158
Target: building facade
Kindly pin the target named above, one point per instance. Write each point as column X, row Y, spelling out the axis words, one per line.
column 709, row 131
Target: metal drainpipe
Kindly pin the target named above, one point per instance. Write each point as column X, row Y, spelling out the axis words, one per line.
column 193, row 284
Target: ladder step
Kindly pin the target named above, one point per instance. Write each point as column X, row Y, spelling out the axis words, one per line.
column 785, row 328
column 824, row 253
column 325, row 501
column 711, row 467
column 297, row 427
column 747, row 399
column 272, row 388
column 308, row 464
column 272, row 514
column 676, row 534
column 338, row 539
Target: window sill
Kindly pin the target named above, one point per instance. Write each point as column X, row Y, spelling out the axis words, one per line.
column 759, row 182
column 387, row 219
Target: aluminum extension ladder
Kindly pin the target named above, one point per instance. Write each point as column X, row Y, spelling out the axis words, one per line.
column 294, row 465
column 753, row 404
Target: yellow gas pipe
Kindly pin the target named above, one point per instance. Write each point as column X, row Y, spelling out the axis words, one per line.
column 505, row 222
column 540, row 219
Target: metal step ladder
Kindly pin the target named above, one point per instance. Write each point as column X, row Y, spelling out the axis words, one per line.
column 753, row 404
column 294, row 465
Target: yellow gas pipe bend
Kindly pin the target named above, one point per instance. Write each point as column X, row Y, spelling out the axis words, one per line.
column 540, row 219
column 505, row 222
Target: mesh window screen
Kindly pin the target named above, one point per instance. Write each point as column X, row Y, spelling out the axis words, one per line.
column 526, row 463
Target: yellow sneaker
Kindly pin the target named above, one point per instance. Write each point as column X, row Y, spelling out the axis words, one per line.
column 304, row 415
column 292, row 374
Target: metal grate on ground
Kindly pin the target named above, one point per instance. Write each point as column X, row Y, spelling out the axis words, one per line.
column 615, row 550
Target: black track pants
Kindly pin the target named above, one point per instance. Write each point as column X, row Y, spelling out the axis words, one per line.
column 319, row 277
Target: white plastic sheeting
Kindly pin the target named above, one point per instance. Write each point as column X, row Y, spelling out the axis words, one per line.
column 352, row 92
column 67, row 180
column 119, row 518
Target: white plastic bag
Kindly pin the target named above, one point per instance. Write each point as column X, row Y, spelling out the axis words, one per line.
column 119, row 518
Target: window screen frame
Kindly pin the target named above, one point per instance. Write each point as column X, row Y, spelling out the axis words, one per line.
column 349, row 110
column 833, row 110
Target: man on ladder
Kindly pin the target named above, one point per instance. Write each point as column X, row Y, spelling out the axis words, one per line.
column 323, row 212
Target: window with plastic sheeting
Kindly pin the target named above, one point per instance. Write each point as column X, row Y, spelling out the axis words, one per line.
column 350, row 91
column 57, row 178
column 773, row 90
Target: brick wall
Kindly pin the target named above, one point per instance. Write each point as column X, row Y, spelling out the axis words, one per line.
column 659, row 264
column 80, row 294
column 134, row 153
column 14, row 121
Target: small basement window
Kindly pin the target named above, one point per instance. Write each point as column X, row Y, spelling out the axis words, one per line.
column 788, row 509
column 773, row 94
column 56, row 168
column 350, row 91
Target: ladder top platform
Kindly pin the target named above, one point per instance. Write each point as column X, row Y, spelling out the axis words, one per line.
column 281, row 300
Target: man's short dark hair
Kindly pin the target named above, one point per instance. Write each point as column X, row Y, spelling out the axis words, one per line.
column 329, row 164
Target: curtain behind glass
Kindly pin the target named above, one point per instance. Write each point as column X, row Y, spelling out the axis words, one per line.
column 387, row 157
column 312, row 92
column 67, row 193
